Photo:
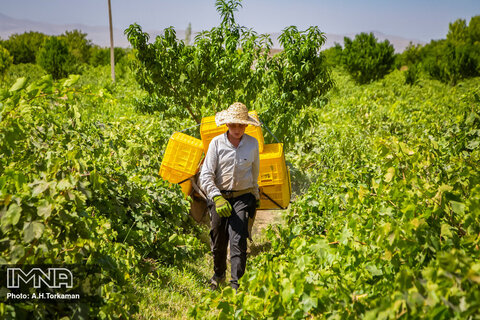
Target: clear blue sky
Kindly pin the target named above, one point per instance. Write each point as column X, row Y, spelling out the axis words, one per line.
column 415, row 19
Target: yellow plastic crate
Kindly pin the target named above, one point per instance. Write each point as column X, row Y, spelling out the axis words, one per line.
column 272, row 165
column 209, row 130
column 182, row 157
column 280, row 193
column 256, row 132
column 187, row 187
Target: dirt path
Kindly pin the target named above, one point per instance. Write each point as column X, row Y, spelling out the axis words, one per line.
column 263, row 219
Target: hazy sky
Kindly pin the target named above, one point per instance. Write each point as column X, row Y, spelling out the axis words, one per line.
column 415, row 19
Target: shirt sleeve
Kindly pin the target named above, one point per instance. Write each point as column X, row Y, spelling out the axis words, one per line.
column 207, row 175
column 255, row 172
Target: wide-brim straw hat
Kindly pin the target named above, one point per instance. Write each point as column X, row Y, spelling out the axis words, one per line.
column 236, row 113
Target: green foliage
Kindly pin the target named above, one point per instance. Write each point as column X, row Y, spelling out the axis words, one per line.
column 412, row 55
column 390, row 227
column 366, row 59
column 78, row 45
column 211, row 73
column 450, row 62
column 32, row 72
column 55, row 58
column 188, row 34
column 24, row 47
column 6, row 60
column 294, row 79
column 457, row 57
column 231, row 63
column 85, row 189
column 333, row 55
column 458, row 32
column 474, row 29
column 412, row 74
column 101, row 56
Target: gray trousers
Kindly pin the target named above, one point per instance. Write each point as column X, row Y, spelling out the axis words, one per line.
column 235, row 230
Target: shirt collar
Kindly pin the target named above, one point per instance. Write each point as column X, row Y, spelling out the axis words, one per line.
column 229, row 143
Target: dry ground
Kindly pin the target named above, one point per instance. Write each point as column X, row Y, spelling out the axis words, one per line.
column 265, row 218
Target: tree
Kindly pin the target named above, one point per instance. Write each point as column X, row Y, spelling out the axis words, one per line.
column 55, row 58
column 451, row 62
column 474, row 29
column 458, row 32
column 231, row 63
column 410, row 58
column 294, row 79
column 78, row 45
column 24, row 47
column 112, row 46
column 333, row 55
column 366, row 59
column 411, row 55
column 188, row 34
column 101, row 56
column 458, row 56
column 6, row 60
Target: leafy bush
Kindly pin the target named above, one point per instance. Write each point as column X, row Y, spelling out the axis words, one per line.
column 6, row 61
column 55, row 58
column 390, row 227
column 213, row 72
column 412, row 55
column 101, row 56
column 412, row 74
column 85, row 189
column 78, row 45
column 32, row 72
column 24, row 47
column 296, row 78
column 229, row 63
column 366, row 59
column 449, row 62
column 333, row 55
column 474, row 29
column 457, row 57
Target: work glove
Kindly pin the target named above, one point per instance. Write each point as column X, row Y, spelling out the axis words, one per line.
column 257, row 203
column 222, row 206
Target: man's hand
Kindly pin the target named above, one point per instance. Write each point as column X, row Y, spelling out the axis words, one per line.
column 257, row 203
column 222, row 206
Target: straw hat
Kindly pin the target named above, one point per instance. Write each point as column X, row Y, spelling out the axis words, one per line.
column 236, row 113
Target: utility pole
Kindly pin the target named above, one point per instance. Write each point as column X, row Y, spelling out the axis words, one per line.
column 112, row 54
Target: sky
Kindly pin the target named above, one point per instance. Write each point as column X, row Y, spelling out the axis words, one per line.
column 414, row 19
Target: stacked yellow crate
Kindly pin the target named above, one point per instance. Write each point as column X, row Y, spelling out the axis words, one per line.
column 274, row 178
column 184, row 154
column 181, row 160
column 209, row 130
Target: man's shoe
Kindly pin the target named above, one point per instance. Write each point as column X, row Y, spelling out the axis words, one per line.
column 215, row 282
column 234, row 286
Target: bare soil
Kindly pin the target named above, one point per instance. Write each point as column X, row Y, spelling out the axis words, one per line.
column 265, row 218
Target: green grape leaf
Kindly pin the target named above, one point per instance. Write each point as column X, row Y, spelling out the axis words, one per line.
column 44, row 209
column 19, row 84
column 390, row 174
column 458, row 207
column 32, row 230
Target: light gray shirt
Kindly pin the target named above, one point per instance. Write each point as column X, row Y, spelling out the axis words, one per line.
column 229, row 168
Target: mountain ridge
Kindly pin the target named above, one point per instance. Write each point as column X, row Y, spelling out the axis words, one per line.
column 99, row 35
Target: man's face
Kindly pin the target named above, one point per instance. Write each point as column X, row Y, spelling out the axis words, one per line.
column 236, row 130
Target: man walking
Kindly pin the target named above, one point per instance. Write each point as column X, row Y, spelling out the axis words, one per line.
column 229, row 179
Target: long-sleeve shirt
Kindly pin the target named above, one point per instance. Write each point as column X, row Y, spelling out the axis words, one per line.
column 229, row 168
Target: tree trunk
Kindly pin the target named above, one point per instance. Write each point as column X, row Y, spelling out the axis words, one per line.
column 112, row 54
